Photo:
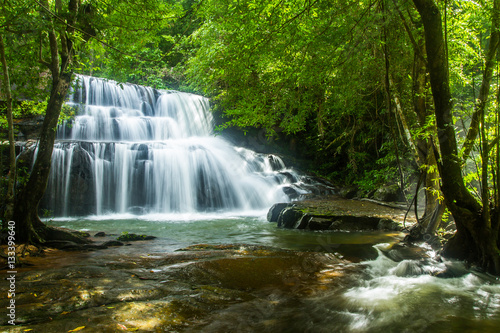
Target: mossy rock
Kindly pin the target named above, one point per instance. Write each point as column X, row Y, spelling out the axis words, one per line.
column 126, row 237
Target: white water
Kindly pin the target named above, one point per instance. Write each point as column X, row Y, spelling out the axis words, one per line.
column 132, row 149
column 409, row 296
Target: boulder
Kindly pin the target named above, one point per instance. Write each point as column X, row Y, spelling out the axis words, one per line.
column 388, row 193
column 290, row 218
column 338, row 214
column 29, row 127
column 275, row 211
column 349, row 192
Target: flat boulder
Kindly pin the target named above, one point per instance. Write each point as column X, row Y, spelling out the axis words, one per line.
column 338, row 214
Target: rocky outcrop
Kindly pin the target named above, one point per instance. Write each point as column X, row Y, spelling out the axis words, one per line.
column 338, row 214
column 386, row 193
column 28, row 128
column 165, row 292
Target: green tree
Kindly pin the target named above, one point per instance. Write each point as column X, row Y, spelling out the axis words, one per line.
column 344, row 78
column 476, row 238
column 55, row 35
column 155, row 27
column 60, row 35
column 306, row 71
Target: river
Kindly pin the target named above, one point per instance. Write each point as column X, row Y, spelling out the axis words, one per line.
column 382, row 286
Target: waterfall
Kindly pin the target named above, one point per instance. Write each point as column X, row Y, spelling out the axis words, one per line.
column 133, row 149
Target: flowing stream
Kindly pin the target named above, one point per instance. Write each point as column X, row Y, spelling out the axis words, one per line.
column 144, row 161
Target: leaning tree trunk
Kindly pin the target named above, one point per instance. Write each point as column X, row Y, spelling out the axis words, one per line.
column 423, row 146
column 476, row 238
column 434, row 209
column 29, row 227
column 26, row 210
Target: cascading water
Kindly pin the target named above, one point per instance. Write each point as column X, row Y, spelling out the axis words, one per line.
column 133, row 149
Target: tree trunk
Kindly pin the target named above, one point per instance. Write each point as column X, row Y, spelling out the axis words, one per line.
column 9, row 200
column 422, row 145
column 474, row 240
column 425, row 147
column 26, row 212
column 29, row 227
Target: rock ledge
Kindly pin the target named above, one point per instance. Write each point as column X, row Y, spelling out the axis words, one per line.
column 338, row 214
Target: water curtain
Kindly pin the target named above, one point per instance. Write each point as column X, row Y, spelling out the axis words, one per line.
column 134, row 149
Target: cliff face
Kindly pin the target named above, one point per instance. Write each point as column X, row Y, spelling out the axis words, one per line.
column 24, row 129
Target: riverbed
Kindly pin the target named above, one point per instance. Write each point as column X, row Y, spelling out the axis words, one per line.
column 239, row 273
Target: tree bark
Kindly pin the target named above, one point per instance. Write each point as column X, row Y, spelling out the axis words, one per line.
column 26, row 209
column 425, row 145
column 474, row 240
column 30, row 227
column 422, row 145
column 9, row 200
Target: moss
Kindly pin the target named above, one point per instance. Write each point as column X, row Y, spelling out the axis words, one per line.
column 126, row 237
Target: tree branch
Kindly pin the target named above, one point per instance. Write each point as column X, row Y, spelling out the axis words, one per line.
column 93, row 36
column 410, row 35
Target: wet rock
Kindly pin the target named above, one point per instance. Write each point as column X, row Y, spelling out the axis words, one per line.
column 291, row 218
column 408, row 268
column 63, row 234
column 291, row 192
column 134, row 237
column 81, row 187
column 321, row 223
column 168, row 292
column 112, row 243
column 289, row 176
column 453, row 270
column 403, row 251
column 93, row 247
column 388, row 224
column 100, row 234
column 62, row 245
column 275, row 211
column 30, row 127
column 72, row 246
column 349, row 192
column 81, row 233
column 275, row 162
column 336, row 213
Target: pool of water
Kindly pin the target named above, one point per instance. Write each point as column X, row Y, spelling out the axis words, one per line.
column 180, row 230
column 391, row 289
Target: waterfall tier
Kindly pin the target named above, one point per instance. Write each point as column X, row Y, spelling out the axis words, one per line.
column 133, row 149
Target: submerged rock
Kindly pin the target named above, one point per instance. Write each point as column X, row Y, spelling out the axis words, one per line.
column 134, row 237
column 113, row 243
column 167, row 292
